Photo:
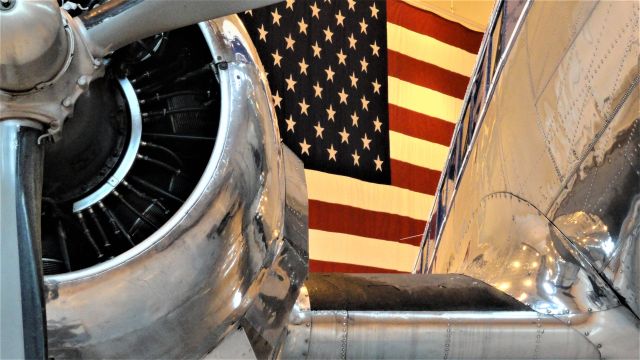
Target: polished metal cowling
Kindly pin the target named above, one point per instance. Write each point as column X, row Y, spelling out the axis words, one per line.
column 232, row 255
column 29, row 61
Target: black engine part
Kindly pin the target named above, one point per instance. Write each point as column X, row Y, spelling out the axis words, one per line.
column 178, row 97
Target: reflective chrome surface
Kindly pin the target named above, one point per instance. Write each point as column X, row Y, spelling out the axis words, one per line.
column 49, row 58
column 121, row 22
column 296, row 345
column 505, row 23
column 27, row 61
column 322, row 328
column 434, row 335
column 545, row 204
column 179, row 292
column 135, row 137
column 614, row 332
column 266, row 320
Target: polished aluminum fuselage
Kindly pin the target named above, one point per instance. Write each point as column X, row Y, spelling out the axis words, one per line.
column 544, row 202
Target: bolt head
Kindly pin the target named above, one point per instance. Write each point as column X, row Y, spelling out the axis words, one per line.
column 83, row 81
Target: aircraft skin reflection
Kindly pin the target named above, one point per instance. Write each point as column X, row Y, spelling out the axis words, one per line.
column 551, row 164
column 533, row 250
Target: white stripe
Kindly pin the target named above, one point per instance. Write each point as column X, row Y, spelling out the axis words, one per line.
column 417, row 151
column 343, row 190
column 351, row 249
column 430, row 50
column 423, row 100
column 473, row 15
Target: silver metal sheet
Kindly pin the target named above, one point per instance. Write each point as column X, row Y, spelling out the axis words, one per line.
column 546, row 208
column 435, row 335
column 117, row 23
column 236, row 345
column 21, row 298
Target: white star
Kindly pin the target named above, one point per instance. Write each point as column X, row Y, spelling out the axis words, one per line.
column 303, row 107
column 304, row 147
column 319, row 130
column 276, row 16
column 352, row 41
column 356, row 158
column 352, row 5
column 378, row 125
column 342, row 58
column 365, row 103
column 363, row 26
column 276, row 58
column 364, row 64
column 318, row 89
column 290, row 42
column 291, row 84
column 277, row 99
column 344, row 136
column 332, row 153
column 330, row 73
column 365, row 142
column 376, row 87
column 339, row 19
column 328, row 34
column 354, row 119
column 316, row 50
column 290, row 124
column 303, row 26
column 331, row 113
column 315, row 11
column 343, row 96
column 375, row 48
column 374, row 11
column 263, row 33
column 378, row 163
column 303, row 67
column 354, row 80
column 290, row 4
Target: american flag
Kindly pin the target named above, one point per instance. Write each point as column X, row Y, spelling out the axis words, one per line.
column 367, row 94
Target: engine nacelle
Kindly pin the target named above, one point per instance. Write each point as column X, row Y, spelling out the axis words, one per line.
column 235, row 253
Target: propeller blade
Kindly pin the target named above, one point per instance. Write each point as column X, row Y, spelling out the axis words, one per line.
column 22, row 305
column 117, row 23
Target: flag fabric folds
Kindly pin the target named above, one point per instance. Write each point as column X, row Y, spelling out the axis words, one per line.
column 367, row 94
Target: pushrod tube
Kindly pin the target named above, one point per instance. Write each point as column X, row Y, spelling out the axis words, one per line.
column 22, row 303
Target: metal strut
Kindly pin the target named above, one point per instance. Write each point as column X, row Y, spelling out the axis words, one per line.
column 22, row 305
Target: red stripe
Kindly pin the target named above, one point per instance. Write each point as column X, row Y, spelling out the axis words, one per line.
column 328, row 266
column 426, row 75
column 430, row 24
column 420, row 126
column 415, row 178
column 370, row 224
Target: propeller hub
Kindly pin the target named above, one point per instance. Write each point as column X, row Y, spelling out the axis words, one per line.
column 34, row 43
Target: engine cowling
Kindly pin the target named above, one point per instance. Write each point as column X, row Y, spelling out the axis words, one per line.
column 234, row 253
